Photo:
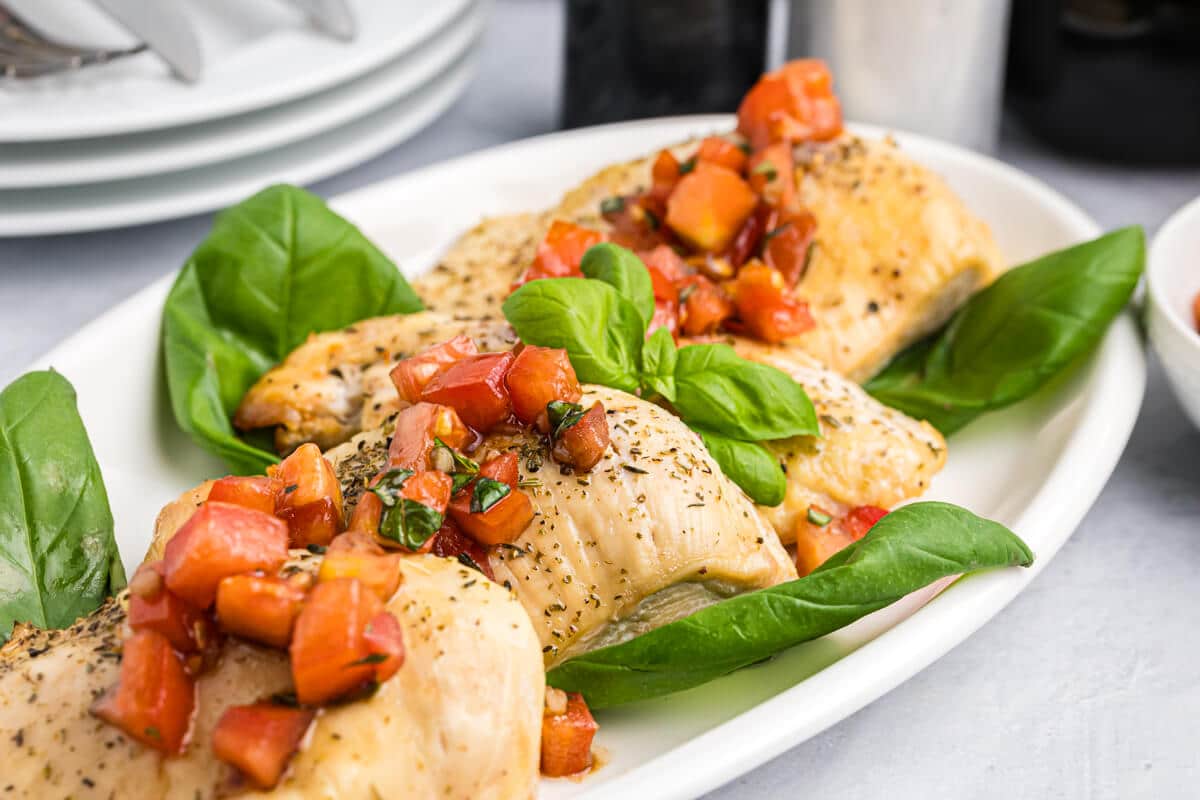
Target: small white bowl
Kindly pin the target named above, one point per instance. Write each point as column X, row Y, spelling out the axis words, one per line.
column 1173, row 279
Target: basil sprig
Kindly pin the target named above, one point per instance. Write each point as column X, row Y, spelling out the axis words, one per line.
column 1012, row 337
column 404, row 521
column 733, row 403
column 909, row 548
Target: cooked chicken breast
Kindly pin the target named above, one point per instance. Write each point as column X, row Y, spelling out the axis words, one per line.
column 317, row 394
column 896, row 250
column 461, row 719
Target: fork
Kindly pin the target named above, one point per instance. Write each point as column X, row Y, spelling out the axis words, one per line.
column 26, row 53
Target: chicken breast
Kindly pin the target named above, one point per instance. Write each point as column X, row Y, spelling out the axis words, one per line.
column 317, row 393
column 896, row 250
column 654, row 532
column 472, row 671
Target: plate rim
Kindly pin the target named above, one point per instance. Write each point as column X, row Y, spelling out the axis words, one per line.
column 1115, row 379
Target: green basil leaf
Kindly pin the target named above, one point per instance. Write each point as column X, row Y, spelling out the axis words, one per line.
column 410, row 523
column 562, row 415
column 488, row 492
column 462, row 464
column 658, row 363
column 58, row 557
column 623, row 271
column 601, row 331
column 1015, row 335
column 911, row 547
column 717, row 390
column 274, row 269
column 750, row 465
column 389, row 486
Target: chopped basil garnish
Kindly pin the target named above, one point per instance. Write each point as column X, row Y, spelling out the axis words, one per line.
column 612, row 205
column 686, row 292
column 818, row 517
column 687, row 166
column 404, row 521
column 461, row 462
column 374, row 658
column 460, row 479
column 651, row 219
column 771, row 234
column 488, row 492
column 744, row 147
column 315, row 549
column 562, row 416
column 766, row 168
column 389, row 486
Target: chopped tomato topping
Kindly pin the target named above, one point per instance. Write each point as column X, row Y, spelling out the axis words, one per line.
column 709, row 206
column 218, row 541
column 722, row 152
column 502, row 522
column 787, row 246
column 156, row 608
column 663, row 262
column 475, row 388
column 1196, row 311
column 260, row 740
column 567, row 739
column 815, row 544
column 257, row 492
column 705, row 307
column 583, row 444
column 773, row 175
column 310, row 499
column 636, row 222
column 559, row 254
column 451, row 542
column 664, row 174
column 538, row 376
column 414, row 373
column 330, row 657
column 366, row 517
column 504, row 468
column 416, row 429
column 356, row 554
column 794, row 103
column 153, row 699
column 765, row 308
column 312, row 523
column 859, row 520
column 385, row 642
column 750, row 237
column 259, row 607
column 431, row 488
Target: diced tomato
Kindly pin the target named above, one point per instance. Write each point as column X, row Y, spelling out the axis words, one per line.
column 709, row 206
column 153, row 699
column 357, row 555
column 750, row 237
column 815, row 544
column 257, row 492
column 538, row 376
column 164, row 612
column 330, row 657
column 451, row 542
column 417, row 427
column 632, row 224
column 218, row 541
column 260, row 740
column 765, row 308
column 475, row 388
column 859, row 520
column 501, row 523
column 794, row 103
column 312, row 523
column 787, row 246
column 722, row 152
column 259, row 607
column 662, row 283
column 366, row 517
column 664, row 174
column 705, row 308
column 385, row 642
column 413, row 373
column 505, row 468
column 772, row 175
column 567, row 739
column 430, row 488
column 583, row 444
column 1196, row 311
column 559, row 254
column 663, row 259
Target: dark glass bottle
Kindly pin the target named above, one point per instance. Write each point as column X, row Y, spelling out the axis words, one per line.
column 1115, row 79
column 628, row 59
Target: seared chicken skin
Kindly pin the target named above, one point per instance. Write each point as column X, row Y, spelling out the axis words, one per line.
column 461, row 719
column 896, row 251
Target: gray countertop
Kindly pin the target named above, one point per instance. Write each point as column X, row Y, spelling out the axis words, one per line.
column 1088, row 685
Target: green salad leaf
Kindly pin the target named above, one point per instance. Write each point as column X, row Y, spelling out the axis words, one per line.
column 749, row 465
column 274, row 269
column 1014, row 336
column 58, row 557
column 909, row 548
column 659, row 358
column 625, row 272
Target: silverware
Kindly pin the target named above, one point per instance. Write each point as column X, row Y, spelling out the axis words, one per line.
column 332, row 16
column 165, row 29
column 27, row 53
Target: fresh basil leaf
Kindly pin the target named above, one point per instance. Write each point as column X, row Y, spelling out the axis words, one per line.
column 717, row 390
column 462, row 464
column 410, row 523
column 562, row 415
column 1012, row 337
column 750, row 465
column 909, row 548
column 623, row 271
column 601, row 331
column 389, row 486
column 488, row 492
column 658, row 363
column 274, row 269
column 58, row 557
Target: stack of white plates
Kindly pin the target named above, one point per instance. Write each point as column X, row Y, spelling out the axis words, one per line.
column 124, row 143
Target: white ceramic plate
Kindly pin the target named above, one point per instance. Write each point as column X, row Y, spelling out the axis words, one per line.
column 115, row 204
column 1036, row 467
column 48, row 164
column 256, row 55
